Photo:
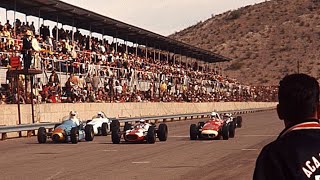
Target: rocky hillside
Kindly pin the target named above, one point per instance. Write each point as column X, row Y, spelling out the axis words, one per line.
column 266, row 41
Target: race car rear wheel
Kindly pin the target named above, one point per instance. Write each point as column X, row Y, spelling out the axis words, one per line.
column 239, row 121
column 104, row 129
column 225, row 132
column 74, row 135
column 193, row 132
column 127, row 126
column 151, row 135
column 115, row 132
column 232, row 129
column 162, row 132
column 89, row 133
column 42, row 135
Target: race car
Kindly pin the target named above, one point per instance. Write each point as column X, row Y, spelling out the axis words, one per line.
column 101, row 124
column 215, row 128
column 237, row 119
column 70, row 130
column 140, row 132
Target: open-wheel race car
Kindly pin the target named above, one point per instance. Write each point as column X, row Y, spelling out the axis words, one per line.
column 139, row 132
column 70, row 130
column 101, row 124
column 216, row 127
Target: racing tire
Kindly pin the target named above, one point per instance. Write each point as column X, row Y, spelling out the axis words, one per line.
column 74, row 135
column 104, row 129
column 127, row 126
column 56, row 125
column 225, row 132
column 115, row 133
column 239, row 121
column 89, row 133
column 193, row 132
column 42, row 135
column 232, row 129
column 162, row 132
column 151, row 135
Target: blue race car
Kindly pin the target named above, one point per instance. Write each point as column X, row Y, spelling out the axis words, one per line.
column 70, row 130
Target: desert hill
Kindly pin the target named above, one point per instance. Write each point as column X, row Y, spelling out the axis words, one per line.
column 266, row 41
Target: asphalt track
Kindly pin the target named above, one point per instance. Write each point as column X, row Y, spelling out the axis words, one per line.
column 177, row 158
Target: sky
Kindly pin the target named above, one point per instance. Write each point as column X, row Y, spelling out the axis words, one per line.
column 161, row 16
column 164, row 17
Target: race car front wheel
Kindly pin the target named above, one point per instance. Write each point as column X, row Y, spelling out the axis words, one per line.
column 42, row 135
column 162, row 132
column 193, row 132
column 115, row 132
column 89, row 134
column 151, row 135
column 74, row 135
column 225, row 131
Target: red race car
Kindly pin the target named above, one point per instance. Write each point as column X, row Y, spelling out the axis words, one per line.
column 140, row 132
column 215, row 128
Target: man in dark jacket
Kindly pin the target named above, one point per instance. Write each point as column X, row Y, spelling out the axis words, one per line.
column 27, row 50
column 295, row 154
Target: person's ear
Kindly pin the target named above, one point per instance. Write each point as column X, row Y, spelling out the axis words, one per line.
column 280, row 112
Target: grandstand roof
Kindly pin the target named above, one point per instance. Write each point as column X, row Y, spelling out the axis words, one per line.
column 82, row 18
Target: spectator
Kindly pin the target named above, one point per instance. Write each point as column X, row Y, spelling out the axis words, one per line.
column 54, row 78
column 295, row 153
column 95, row 82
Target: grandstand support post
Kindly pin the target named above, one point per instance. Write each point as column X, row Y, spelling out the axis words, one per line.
column 26, row 16
column 116, row 41
column 90, row 40
column 57, row 33
column 159, row 55
column 154, row 53
column 14, row 18
column 32, row 103
column 102, row 36
column 137, row 47
column 39, row 21
column 18, row 97
column 72, row 36
column 146, row 49
column 127, row 47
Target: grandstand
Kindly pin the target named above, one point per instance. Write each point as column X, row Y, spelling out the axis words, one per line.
column 88, row 69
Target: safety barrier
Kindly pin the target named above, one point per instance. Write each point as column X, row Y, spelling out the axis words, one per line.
column 30, row 128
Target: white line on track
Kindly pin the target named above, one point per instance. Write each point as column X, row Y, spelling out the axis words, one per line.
column 141, row 162
column 110, row 150
column 258, row 135
column 249, row 149
column 178, row 136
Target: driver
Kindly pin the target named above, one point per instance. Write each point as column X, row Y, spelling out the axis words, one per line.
column 73, row 117
column 214, row 115
column 143, row 124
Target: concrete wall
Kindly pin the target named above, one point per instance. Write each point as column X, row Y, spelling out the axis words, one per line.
column 55, row 112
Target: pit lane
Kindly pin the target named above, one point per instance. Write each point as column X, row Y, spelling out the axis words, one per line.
column 177, row 158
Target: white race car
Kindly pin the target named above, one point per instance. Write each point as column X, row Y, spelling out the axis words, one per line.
column 101, row 124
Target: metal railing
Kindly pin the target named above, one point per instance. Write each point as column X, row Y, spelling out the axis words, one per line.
column 30, row 128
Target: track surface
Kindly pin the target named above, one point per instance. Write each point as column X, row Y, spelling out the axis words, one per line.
column 178, row 158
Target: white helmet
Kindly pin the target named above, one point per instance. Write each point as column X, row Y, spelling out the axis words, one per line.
column 99, row 114
column 213, row 114
column 142, row 121
column 73, row 113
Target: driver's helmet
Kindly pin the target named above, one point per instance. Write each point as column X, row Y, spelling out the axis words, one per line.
column 100, row 114
column 142, row 121
column 228, row 114
column 73, row 114
column 213, row 114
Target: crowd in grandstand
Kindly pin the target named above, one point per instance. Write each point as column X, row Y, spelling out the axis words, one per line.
column 100, row 71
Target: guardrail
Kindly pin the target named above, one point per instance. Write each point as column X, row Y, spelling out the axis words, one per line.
column 30, row 128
